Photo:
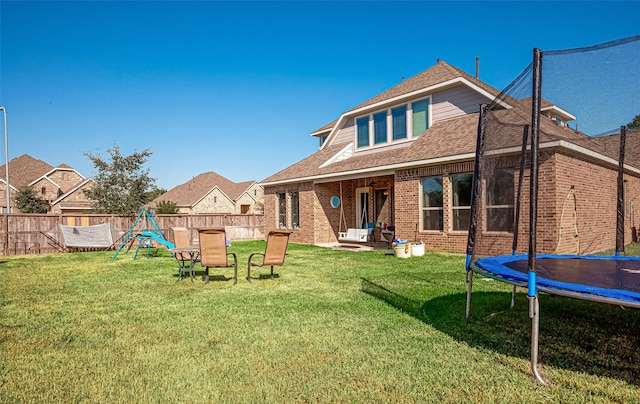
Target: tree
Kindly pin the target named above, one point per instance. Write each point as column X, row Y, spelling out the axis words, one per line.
column 122, row 185
column 635, row 124
column 154, row 193
column 166, row 208
column 28, row 202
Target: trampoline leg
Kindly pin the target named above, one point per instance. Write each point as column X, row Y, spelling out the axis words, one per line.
column 534, row 314
column 513, row 297
column 469, row 287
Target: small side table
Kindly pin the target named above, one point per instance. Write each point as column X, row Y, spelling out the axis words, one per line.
column 194, row 254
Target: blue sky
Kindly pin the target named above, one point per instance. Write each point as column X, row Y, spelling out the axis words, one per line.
column 237, row 87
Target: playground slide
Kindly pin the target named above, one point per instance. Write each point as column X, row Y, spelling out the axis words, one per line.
column 157, row 238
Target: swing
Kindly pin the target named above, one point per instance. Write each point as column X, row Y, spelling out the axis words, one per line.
column 353, row 235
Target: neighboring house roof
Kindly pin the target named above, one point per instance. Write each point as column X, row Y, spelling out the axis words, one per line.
column 24, row 169
column 192, row 191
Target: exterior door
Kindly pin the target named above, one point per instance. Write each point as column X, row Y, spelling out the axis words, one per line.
column 362, row 207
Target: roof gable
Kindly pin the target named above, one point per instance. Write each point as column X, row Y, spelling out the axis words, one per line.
column 194, row 190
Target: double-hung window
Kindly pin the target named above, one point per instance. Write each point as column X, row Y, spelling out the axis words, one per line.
column 362, row 125
column 500, row 196
column 282, row 210
column 399, row 122
column 461, row 203
column 380, row 127
column 420, row 114
column 393, row 124
column 432, row 207
column 295, row 209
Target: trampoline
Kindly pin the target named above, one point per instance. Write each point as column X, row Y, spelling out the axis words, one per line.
column 567, row 136
column 605, row 279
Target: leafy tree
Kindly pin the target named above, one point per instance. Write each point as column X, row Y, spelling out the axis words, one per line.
column 635, row 124
column 166, row 208
column 28, row 202
column 122, row 185
column 155, row 192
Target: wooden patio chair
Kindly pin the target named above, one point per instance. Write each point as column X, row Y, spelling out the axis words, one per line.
column 213, row 252
column 275, row 252
column 181, row 240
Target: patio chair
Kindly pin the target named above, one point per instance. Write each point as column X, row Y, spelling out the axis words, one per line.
column 181, row 240
column 213, row 252
column 274, row 254
column 387, row 235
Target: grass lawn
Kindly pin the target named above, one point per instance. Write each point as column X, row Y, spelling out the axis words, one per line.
column 334, row 326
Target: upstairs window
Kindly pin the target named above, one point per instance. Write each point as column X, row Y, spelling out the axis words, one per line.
column 393, row 124
column 399, row 122
column 420, row 112
column 380, row 128
column 363, row 131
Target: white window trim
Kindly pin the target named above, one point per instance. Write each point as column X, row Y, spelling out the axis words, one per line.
column 432, row 208
column 389, row 115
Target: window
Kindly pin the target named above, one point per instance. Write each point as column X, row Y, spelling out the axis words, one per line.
column 380, row 128
column 43, row 190
column 393, row 124
column 461, row 203
column 282, row 210
column 363, row 131
column 295, row 210
column 500, row 194
column 420, row 117
column 399, row 122
column 432, row 204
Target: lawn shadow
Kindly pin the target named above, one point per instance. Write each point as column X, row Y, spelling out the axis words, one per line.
column 576, row 335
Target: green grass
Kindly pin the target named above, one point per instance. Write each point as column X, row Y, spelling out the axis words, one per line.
column 334, row 326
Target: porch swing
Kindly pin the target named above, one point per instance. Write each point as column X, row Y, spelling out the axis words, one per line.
column 352, row 235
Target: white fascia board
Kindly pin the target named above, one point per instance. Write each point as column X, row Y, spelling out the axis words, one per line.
column 569, row 146
column 71, row 191
column 210, row 191
column 560, row 112
column 380, row 170
column 10, row 186
column 407, row 96
column 44, row 177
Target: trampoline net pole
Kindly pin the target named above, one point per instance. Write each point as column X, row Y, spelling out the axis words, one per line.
column 620, row 192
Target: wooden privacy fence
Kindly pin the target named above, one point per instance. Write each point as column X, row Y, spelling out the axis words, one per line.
column 25, row 233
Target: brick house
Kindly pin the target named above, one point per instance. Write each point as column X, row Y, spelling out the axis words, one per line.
column 213, row 193
column 405, row 158
column 56, row 185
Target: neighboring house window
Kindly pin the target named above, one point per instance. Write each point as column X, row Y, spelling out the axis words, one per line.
column 380, row 128
column 420, row 113
column 363, row 131
column 43, row 190
column 432, row 208
column 295, row 210
column 461, row 203
column 215, row 199
column 399, row 122
column 282, row 210
column 500, row 196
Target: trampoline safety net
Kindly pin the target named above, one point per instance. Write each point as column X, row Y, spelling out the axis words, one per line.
column 588, row 99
